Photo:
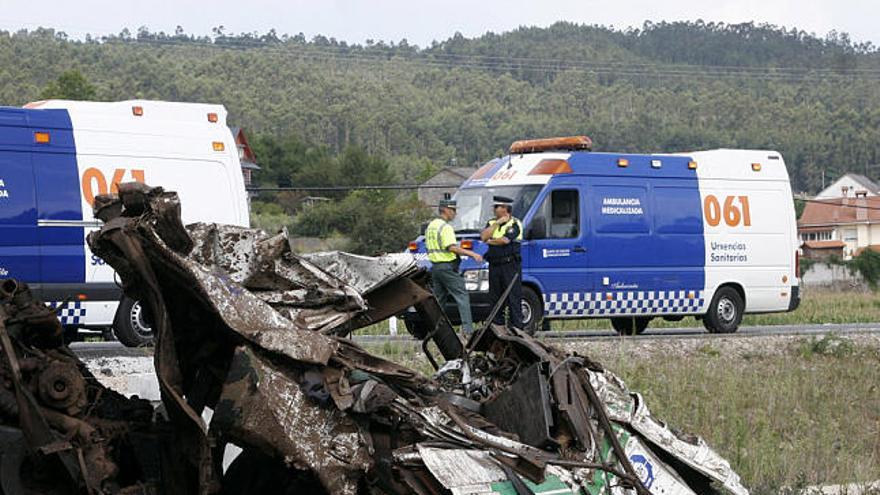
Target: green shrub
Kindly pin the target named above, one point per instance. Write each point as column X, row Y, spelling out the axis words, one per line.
column 829, row 345
column 269, row 217
column 374, row 221
column 867, row 264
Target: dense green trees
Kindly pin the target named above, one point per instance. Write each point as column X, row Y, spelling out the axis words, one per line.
column 70, row 85
column 665, row 87
column 395, row 112
column 373, row 221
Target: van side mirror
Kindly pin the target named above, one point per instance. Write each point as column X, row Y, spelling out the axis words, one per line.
column 537, row 229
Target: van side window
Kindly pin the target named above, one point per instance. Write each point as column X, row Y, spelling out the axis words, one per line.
column 559, row 215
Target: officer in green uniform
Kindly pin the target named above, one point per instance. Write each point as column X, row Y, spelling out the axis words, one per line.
column 504, row 234
column 444, row 254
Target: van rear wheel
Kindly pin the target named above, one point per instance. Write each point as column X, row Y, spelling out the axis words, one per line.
column 725, row 312
column 630, row 325
column 132, row 324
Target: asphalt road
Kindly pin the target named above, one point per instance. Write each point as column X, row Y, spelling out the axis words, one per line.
column 88, row 350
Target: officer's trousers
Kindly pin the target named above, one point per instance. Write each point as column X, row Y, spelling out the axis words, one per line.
column 449, row 284
column 500, row 277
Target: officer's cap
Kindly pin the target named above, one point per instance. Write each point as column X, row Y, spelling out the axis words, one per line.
column 502, row 201
column 448, row 203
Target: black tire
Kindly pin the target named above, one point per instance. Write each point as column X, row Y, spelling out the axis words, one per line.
column 545, row 325
column 131, row 325
column 630, row 325
column 725, row 312
column 532, row 311
column 71, row 334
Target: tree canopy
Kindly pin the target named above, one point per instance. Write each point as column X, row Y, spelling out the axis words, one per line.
column 664, row 87
column 70, row 85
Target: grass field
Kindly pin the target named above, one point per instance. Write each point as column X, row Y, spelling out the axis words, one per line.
column 786, row 415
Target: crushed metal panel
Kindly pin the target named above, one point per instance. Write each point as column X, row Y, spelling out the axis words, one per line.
column 694, row 451
column 462, row 470
column 524, row 408
column 364, row 273
column 263, row 405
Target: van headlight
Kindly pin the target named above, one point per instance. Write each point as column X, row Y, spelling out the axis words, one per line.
column 476, row 280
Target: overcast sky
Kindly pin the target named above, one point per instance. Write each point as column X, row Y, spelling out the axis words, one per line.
column 420, row 22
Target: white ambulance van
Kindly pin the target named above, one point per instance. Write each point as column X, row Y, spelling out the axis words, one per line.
column 632, row 237
column 56, row 156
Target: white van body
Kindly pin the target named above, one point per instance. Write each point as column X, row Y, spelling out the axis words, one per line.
column 631, row 237
column 89, row 148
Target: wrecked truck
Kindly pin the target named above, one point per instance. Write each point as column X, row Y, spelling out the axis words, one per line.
column 256, row 335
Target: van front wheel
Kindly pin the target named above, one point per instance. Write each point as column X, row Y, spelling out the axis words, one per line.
column 532, row 312
column 132, row 325
column 725, row 312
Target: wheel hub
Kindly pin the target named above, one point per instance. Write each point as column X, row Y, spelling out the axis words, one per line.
column 726, row 310
column 526, row 312
column 138, row 323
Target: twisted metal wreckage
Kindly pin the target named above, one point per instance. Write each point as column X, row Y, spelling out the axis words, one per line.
column 256, row 333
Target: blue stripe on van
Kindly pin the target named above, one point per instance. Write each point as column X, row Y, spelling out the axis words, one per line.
column 644, row 224
column 62, row 249
column 40, row 182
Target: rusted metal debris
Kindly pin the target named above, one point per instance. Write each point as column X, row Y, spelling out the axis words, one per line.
column 255, row 333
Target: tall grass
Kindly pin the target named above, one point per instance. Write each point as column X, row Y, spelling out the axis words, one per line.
column 810, row 415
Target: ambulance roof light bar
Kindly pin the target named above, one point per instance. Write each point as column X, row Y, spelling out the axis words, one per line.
column 570, row 143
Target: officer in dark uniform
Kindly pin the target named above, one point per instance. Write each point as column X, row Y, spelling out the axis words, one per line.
column 503, row 234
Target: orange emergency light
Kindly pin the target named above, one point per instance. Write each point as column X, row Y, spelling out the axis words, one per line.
column 570, row 143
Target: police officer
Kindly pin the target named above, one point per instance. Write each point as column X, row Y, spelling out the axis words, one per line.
column 503, row 234
column 444, row 254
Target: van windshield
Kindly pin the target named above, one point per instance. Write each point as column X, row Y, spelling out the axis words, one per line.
column 475, row 205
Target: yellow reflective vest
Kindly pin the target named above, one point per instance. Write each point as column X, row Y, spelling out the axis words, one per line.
column 438, row 237
column 499, row 233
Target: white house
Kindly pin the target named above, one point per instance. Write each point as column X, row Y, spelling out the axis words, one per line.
column 848, row 185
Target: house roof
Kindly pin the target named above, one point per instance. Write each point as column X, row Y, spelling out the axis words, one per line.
column 835, row 244
column 862, row 183
column 461, row 172
column 865, row 182
column 241, row 140
column 836, row 211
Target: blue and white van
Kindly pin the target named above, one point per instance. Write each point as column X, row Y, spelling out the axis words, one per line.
column 632, row 237
column 56, row 156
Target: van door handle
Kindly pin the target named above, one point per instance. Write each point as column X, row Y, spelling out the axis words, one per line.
column 579, row 249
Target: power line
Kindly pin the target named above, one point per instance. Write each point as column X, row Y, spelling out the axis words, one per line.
column 535, row 65
column 378, row 187
column 405, row 187
column 484, row 62
column 240, row 41
column 837, row 202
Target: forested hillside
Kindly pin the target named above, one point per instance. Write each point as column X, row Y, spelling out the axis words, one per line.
column 665, row 87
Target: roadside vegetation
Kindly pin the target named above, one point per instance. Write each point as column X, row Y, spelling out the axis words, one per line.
column 788, row 414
